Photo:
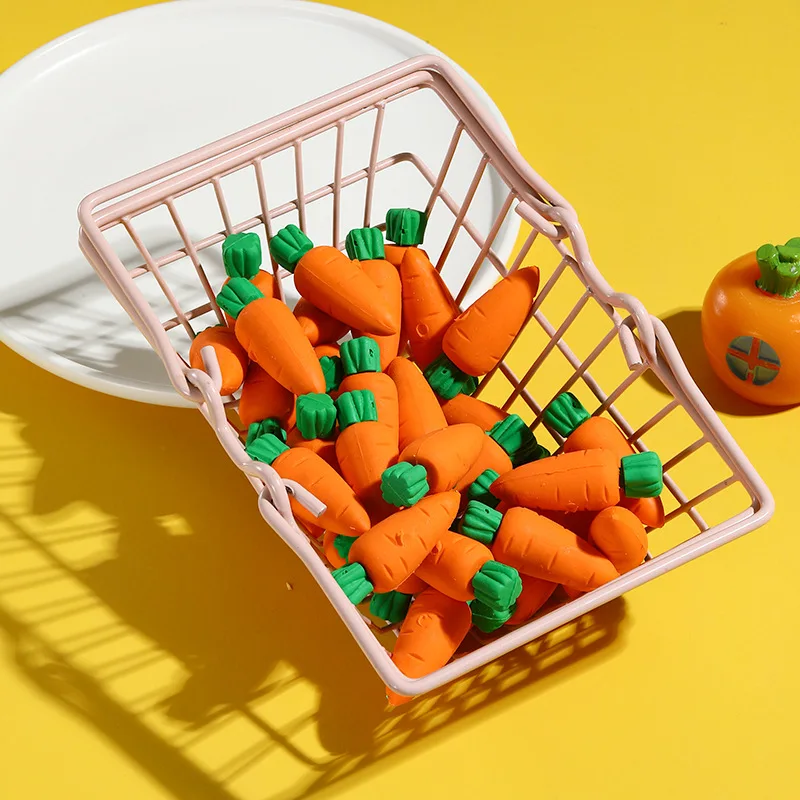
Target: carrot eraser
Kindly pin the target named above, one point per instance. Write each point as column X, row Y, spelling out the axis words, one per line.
column 406, row 226
column 236, row 294
column 565, row 414
column 333, row 372
column 352, row 579
column 480, row 522
column 516, row 438
column 447, row 380
column 269, row 425
column 642, row 475
column 486, row 619
column 404, row 484
column 343, row 543
column 497, row 585
column 241, row 255
column 479, row 489
column 356, row 406
column 289, row 245
column 316, row 415
column 266, row 448
column 361, row 354
column 541, row 452
column 364, row 244
column 391, row 606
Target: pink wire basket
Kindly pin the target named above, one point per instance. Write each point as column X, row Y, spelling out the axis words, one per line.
column 587, row 338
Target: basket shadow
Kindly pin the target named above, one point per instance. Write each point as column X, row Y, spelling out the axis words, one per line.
column 684, row 327
column 72, row 311
column 213, row 638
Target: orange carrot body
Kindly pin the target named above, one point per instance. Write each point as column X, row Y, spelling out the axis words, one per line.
column 324, row 448
column 601, row 433
column 333, row 283
column 393, row 549
column 319, row 327
column 331, row 553
column 344, row 514
column 382, row 386
column 386, row 278
column 364, row 451
column 586, row 480
column 263, row 281
column 447, row 454
column 649, row 510
column 430, row 634
column 230, row 354
column 378, row 509
column 314, row 531
column 428, row 306
column 395, row 253
column 535, row 593
column 492, row 456
column 272, row 337
column 464, row 408
column 327, row 349
column 577, row 522
column 263, row 397
column 412, row 585
column 419, row 410
column 620, row 536
column 452, row 564
column 598, row 433
column 480, row 337
column 541, row 548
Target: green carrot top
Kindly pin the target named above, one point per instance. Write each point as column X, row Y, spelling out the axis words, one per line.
column 356, row 406
column 236, row 294
column 361, row 354
column 342, row 544
column 241, row 255
column 780, row 268
column 333, row 372
column 641, row 475
column 316, row 415
column 486, row 619
column 497, row 585
column 265, row 448
column 269, row 425
column 289, row 245
column 480, row 488
column 353, row 580
column 565, row 414
column 364, row 244
column 516, row 438
column 406, row 226
column 480, row 522
column 447, row 380
column 404, row 484
column 391, row 606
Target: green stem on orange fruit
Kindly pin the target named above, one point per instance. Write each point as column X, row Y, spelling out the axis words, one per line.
column 780, row 269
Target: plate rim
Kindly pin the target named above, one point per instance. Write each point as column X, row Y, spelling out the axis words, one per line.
column 34, row 64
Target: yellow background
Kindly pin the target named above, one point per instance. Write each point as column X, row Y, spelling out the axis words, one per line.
column 146, row 652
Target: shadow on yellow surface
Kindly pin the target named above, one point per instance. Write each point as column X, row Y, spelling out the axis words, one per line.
column 684, row 326
column 139, row 586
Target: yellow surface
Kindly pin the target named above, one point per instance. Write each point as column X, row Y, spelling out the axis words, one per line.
column 149, row 651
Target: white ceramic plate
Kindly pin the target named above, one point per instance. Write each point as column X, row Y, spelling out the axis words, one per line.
column 131, row 91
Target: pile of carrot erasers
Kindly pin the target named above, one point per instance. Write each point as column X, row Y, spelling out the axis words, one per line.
column 442, row 508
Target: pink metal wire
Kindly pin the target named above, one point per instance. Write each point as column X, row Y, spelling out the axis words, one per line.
column 644, row 343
